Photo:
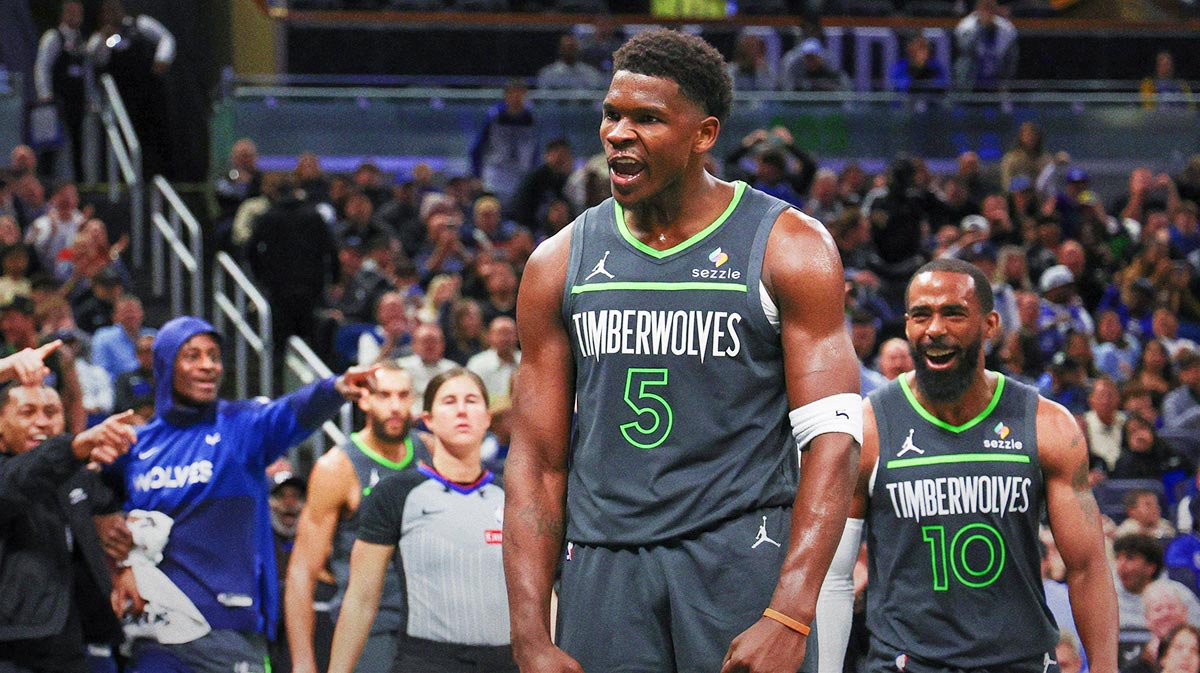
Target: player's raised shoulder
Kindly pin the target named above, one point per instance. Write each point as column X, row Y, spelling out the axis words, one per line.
column 1060, row 441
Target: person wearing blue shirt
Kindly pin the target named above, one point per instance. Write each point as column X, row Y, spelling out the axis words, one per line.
column 199, row 467
column 115, row 347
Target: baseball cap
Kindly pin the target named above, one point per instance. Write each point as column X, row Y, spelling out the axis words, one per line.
column 285, row 478
column 19, row 302
column 812, row 46
column 974, row 223
column 1055, row 277
column 1019, row 183
column 1077, row 175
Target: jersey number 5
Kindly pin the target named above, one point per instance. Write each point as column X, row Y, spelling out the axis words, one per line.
column 970, row 572
column 654, row 415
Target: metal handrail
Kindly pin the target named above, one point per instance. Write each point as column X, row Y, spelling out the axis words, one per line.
column 183, row 256
column 246, row 337
column 308, row 367
column 125, row 154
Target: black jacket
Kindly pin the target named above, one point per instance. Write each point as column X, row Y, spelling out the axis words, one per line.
column 44, row 493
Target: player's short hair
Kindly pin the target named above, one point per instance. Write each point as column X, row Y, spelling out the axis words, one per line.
column 695, row 65
column 1136, row 544
column 983, row 287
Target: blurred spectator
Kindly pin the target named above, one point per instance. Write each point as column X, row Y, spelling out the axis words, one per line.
column 805, row 69
column 54, row 575
column 94, row 308
column 1028, row 156
column 308, row 176
column 1185, row 520
column 1116, row 354
column 287, row 498
column 14, row 272
column 359, row 220
column 495, row 366
column 1012, row 268
column 501, row 300
column 1132, row 297
column 11, row 207
column 1144, row 455
column 115, row 347
column 369, row 179
column 376, row 275
column 95, row 385
column 597, row 46
column 1062, row 310
column 90, row 255
column 1188, row 180
column 443, row 250
column 52, row 234
column 895, row 358
column 1179, row 651
column 248, row 211
column 987, row 48
column 750, row 69
column 135, row 389
column 543, row 184
column 1068, row 654
column 1165, row 608
column 898, row 219
column 506, row 146
column 1104, row 422
column 1184, row 231
column 918, row 70
column 137, row 51
column 1147, row 192
column 464, row 336
column 1180, row 406
column 293, row 257
column 58, row 77
column 19, row 329
column 853, row 184
column 1089, row 281
column 1154, row 371
column 440, row 293
column 427, row 360
column 391, row 337
column 1021, row 202
column 823, row 203
column 1143, row 516
column 1138, row 560
column 567, row 71
column 588, row 185
column 242, row 181
column 1164, row 87
column 774, row 153
column 488, row 230
column 970, row 172
column 1064, row 383
column 1164, row 325
column 1136, row 401
column 955, row 204
column 864, row 331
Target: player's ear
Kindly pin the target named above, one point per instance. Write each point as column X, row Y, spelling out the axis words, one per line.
column 991, row 325
column 706, row 135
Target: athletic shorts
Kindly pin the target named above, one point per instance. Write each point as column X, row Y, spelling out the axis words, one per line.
column 673, row 607
column 884, row 659
column 418, row 655
column 218, row 651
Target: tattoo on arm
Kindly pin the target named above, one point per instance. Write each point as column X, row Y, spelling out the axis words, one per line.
column 542, row 523
column 1081, row 486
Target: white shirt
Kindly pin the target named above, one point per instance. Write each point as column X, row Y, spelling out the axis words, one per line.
column 100, row 52
column 422, row 374
column 496, row 375
column 1104, row 441
column 50, row 46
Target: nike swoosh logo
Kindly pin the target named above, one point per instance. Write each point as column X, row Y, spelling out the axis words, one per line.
column 841, row 414
column 143, row 455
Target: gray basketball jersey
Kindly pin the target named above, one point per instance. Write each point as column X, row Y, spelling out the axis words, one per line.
column 371, row 468
column 682, row 407
column 955, row 573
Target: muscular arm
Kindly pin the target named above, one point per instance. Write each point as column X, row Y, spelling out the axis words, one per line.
column 368, row 563
column 331, row 478
column 819, row 361
column 536, row 469
column 1075, row 522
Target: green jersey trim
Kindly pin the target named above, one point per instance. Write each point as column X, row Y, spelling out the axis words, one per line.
column 958, row 458
column 924, row 413
column 374, row 455
column 739, row 188
column 658, row 286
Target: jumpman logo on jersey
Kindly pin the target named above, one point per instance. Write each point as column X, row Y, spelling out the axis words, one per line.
column 599, row 268
column 762, row 535
column 908, row 445
column 1046, row 662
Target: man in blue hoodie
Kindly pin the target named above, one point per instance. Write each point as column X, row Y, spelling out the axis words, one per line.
column 202, row 463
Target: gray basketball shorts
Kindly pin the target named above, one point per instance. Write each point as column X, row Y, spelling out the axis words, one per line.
column 885, row 659
column 673, row 607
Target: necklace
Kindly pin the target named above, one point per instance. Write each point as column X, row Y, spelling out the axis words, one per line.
column 662, row 237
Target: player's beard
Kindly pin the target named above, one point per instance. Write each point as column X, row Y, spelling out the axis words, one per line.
column 380, row 430
column 947, row 385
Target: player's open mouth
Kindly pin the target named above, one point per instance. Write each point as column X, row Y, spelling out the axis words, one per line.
column 940, row 357
column 625, row 170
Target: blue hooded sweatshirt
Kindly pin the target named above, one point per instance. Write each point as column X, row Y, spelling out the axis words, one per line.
column 204, row 466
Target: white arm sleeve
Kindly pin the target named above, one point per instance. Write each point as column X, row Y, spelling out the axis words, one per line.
column 165, row 51
column 835, row 603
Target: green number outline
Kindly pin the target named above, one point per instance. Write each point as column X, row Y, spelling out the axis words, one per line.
column 647, row 377
column 956, row 560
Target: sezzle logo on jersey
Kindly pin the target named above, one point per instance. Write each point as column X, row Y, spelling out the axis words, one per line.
column 718, row 258
column 174, row 476
column 1003, row 431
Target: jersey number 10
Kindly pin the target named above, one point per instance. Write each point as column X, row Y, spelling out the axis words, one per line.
column 954, row 559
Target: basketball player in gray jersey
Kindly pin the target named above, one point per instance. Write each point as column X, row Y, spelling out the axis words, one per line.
column 683, row 318
column 339, row 482
column 957, row 466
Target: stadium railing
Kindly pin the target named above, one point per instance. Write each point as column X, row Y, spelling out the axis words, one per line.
column 230, row 305
column 124, row 162
column 303, row 366
column 169, row 217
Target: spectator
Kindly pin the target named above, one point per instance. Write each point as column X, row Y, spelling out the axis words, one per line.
column 359, row 221
column 987, row 47
column 242, row 181
column 970, row 172
column 823, row 203
column 95, row 386
column 10, row 205
column 53, row 574
column 1154, row 371
column 1028, row 156
column 853, row 184
column 918, row 71
column 1116, row 354
column 488, row 230
column 495, row 366
column 588, row 185
column 14, row 272
column 442, row 291
column 1104, row 422
column 864, row 331
column 1180, row 405
column 58, row 77
column 1188, row 180
column 369, row 179
column 895, row 358
column 805, row 69
column 391, row 337
column 286, row 500
column 19, row 328
column 426, row 361
column 568, row 72
column 1164, row 325
column 897, row 213
column 596, row 48
column 1068, row 654
column 1143, row 516
column 1164, row 87
column 1061, row 310
column 443, row 251
column 1143, row 454
column 1089, row 281
column 115, row 348
column 220, row 552
column 464, row 338
column 505, row 148
column 775, row 152
column 135, row 389
column 1178, row 298
column 1064, row 383
column 137, row 51
column 501, row 284
column 441, row 521
column 1139, row 561
column 543, row 184
column 376, row 275
column 1179, row 651
column 750, row 69
column 52, row 234
column 94, row 308
column 1165, row 610
column 90, row 255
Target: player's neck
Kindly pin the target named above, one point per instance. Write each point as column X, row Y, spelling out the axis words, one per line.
column 679, row 211
column 393, row 451
column 458, row 464
column 958, row 411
